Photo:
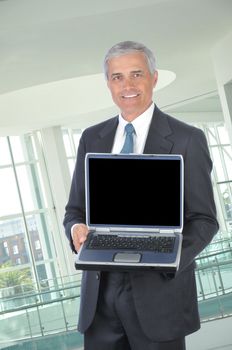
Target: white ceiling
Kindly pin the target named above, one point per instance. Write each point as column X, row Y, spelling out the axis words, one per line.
column 51, row 54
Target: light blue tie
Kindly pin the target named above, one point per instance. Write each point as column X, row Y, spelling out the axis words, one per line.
column 128, row 146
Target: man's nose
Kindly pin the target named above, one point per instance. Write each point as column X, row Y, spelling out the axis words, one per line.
column 128, row 82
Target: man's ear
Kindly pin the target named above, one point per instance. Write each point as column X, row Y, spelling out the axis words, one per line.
column 155, row 78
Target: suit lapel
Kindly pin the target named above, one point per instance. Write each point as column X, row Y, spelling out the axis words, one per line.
column 157, row 138
column 104, row 142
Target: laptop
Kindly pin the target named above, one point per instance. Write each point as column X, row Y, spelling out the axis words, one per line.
column 134, row 210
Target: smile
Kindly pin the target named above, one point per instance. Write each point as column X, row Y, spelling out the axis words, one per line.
column 130, row 96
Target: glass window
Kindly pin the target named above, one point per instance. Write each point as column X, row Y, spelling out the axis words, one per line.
column 71, row 140
column 5, row 158
column 13, row 233
column 8, row 189
column 228, row 160
column 26, row 221
column 71, row 165
column 27, row 191
column 39, row 230
column 18, row 261
column 37, row 245
column 223, row 134
column 67, row 144
column 211, row 135
column 14, row 282
column 5, row 251
column 15, row 249
column 76, row 137
column 30, row 185
column 218, row 164
column 221, row 153
column 17, row 149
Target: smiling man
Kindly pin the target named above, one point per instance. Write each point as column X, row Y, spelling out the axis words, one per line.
column 142, row 310
column 131, row 84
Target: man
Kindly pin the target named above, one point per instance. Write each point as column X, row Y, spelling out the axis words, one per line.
column 143, row 310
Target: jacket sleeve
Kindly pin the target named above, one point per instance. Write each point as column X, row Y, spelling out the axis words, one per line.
column 75, row 208
column 200, row 223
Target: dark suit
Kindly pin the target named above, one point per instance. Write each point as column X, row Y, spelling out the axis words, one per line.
column 170, row 303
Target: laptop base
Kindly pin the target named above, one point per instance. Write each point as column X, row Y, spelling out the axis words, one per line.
column 122, row 268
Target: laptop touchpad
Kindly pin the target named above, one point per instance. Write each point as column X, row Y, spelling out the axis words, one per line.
column 127, row 257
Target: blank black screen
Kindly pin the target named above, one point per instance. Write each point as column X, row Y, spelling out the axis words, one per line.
column 134, row 192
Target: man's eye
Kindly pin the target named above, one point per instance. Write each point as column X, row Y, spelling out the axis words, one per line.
column 137, row 75
column 116, row 77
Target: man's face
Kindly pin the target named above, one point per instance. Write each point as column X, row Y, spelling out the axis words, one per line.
column 131, row 84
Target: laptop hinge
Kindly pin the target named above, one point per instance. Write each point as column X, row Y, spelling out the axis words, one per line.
column 175, row 232
column 139, row 230
column 166, row 231
column 101, row 229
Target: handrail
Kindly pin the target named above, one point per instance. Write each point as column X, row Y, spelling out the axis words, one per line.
column 32, row 306
column 214, row 264
column 38, row 304
column 221, row 252
column 22, row 296
column 39, row 299
column 77, row 295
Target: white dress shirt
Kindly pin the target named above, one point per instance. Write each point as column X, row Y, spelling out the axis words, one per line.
column 141, row 125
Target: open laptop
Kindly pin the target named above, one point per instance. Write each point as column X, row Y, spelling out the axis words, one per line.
column 134, row 210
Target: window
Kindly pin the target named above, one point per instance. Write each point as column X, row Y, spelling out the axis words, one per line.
column 18, row 261
column 71, row 140
column 37, row 245
column 5, row 245
column 221, row 153
column 26, row 218
column 15, row 249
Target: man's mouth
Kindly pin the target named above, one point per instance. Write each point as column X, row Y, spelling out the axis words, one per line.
column 130, row 96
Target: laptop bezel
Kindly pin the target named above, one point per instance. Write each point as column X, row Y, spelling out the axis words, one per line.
column 136, row 228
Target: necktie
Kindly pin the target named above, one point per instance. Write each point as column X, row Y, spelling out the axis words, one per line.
column 128, row 146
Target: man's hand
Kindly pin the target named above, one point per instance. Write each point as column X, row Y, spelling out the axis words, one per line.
column 79, row 235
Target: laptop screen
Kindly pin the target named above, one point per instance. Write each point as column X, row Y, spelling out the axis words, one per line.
column 134, row 190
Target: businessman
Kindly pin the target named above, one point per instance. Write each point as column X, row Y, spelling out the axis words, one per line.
column 142, row 310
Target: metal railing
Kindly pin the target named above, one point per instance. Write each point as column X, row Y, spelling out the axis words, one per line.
column 54, row 310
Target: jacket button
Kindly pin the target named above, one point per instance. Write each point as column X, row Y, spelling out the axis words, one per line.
column 97, row 276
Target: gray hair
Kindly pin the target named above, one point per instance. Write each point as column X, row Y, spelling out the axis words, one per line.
column 126, row 47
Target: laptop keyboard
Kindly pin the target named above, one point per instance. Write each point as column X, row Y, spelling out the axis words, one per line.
column 157, row 244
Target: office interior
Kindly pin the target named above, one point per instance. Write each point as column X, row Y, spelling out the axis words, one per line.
column 52, row 88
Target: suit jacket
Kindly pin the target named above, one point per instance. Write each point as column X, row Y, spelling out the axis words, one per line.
column 167, row 307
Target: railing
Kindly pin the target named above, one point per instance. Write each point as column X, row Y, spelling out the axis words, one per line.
column 214, row 282
column 54, row 310
column 39, row 314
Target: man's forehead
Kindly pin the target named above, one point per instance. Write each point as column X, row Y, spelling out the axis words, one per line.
column 128, row 63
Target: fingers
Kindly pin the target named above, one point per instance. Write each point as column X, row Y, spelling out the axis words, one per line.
column 79, row 235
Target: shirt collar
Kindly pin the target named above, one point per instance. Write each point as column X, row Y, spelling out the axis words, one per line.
column 143, row 120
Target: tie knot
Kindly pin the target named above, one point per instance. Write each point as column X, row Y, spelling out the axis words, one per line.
column 129, row 128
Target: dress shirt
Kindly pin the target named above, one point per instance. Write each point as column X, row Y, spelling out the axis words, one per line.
column 141, row 125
